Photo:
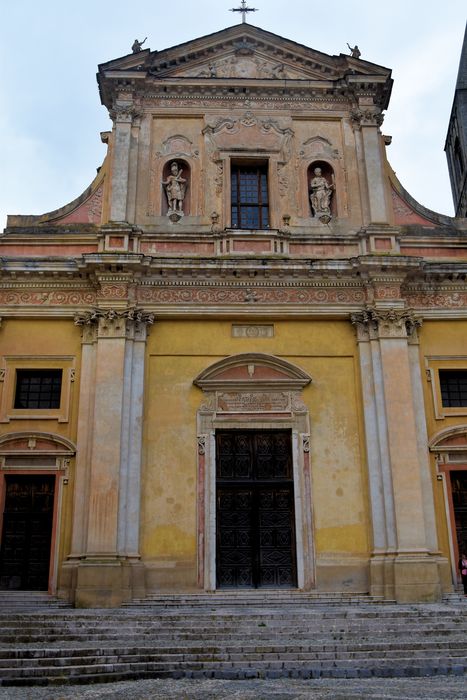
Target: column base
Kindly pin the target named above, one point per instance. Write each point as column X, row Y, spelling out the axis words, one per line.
column 407, row 577
column 382, row 576
column 102, row 582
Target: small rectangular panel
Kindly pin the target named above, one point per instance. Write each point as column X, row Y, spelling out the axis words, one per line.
column 252, row 331
column 253, row 402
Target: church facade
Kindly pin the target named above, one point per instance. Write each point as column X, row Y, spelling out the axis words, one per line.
column 238, row 360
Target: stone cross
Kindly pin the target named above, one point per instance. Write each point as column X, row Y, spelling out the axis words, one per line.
column 244, row 9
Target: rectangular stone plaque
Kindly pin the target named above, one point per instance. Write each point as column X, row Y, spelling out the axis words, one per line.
column 254, row 401
column 252, row 331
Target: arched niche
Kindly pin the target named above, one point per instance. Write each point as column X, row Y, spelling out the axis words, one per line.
column 253, row 391
column 327, row 172
column 176, row 187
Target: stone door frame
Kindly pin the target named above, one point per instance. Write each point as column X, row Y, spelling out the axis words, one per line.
column 257, row 392
column 36, row 453
column 449, row 447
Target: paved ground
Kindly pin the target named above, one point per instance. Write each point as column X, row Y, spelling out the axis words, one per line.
column 442, row 688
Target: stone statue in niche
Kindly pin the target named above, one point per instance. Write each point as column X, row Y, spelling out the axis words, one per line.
column 320, row 196
column 175, row 188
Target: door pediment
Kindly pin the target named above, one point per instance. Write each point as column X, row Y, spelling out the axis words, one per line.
column 248, row 371
column 35, row 444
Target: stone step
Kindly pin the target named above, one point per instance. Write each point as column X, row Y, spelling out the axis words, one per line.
column 248, row 655
column 274, row 615
column 238, row 669
column 253, row 599
column 258, row 631
column 29, row 601
column 77, row 646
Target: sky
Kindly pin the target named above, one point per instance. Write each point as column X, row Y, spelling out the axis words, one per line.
column 50, row 111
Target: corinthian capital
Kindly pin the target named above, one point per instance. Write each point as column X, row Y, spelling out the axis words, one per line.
column 374, row 323
column 112, row 323
column 366, row 117
column 124, row 113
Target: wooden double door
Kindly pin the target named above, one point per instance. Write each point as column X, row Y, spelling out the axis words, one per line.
column 27, row 532
column 255, row 519
column 459, row 502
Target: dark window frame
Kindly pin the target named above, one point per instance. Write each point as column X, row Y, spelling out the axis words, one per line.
column 453, row 387
column 249, row 190
column 38, row 389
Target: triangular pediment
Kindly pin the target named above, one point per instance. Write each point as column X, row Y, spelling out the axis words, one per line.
column 243, row 52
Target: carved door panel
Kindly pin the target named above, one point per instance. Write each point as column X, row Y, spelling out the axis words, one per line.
column 27, row 532
column 255, row 509
column 459, row 500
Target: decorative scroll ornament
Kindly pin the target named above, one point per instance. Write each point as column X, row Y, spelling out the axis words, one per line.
column 201, row 444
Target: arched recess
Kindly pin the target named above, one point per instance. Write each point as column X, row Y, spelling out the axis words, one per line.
column 253, row 391
column 450, row 448
column 31, row 460
column 327, row 172
column 177, row 168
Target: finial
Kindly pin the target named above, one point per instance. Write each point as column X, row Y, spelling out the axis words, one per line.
column 244, row 9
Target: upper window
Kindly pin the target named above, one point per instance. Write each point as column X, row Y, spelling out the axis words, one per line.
column 453, row 384
column 38, row 388
column 250, row 201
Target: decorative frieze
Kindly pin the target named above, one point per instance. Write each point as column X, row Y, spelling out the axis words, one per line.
column 257, row 295
column 47, row 298
column 444, row 300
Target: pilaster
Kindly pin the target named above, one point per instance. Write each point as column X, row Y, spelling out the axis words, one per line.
column 106, row 542
column 123, row 113
column 83, row 456
column 404, row 568
column 367, row 119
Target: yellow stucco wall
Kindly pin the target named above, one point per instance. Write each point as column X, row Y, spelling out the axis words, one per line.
column 38, row 340
column 177, row 352
column 442, row 344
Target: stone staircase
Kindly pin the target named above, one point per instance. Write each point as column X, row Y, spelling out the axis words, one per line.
column 29, row 601
column 233, row 636
column 245, row 599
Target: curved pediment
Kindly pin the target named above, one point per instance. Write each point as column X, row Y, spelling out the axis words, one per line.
column 250, row 370
column 35, row 443
column 450, row 439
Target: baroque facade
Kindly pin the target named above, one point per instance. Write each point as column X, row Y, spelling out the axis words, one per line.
column 238, row 359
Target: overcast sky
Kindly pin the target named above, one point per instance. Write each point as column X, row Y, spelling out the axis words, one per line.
column 51, row 116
